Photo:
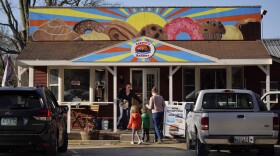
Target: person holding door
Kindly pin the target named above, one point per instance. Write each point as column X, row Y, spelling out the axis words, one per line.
column 157, row 105
column 126, row 94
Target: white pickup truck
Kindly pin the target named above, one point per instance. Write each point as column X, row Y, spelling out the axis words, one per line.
column 230, row 119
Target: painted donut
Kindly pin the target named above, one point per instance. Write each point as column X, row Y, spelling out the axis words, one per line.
column 81, row 27
column 186, row 24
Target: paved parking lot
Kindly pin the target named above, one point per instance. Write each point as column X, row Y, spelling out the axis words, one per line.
column 136, row 150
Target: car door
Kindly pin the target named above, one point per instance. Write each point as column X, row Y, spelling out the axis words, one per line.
column 57, row 114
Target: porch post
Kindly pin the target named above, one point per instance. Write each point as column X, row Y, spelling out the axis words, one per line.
column 114, row 73
column 60, row 84
column 170, row 78
column 31, row 77
column 115, row 99
column 266, row 70
column 171, row 73
column 91, row 84
column 267, row 83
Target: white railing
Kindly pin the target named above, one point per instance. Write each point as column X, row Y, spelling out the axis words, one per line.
column 77, row 104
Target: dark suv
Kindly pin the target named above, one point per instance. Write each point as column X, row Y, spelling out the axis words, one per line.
column 32, row 118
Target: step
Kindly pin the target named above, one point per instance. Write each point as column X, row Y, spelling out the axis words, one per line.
column 127, row 138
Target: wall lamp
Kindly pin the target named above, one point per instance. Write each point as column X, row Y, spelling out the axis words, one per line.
column 263, row 12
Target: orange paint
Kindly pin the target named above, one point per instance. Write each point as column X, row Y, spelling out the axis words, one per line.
column 165, row 47
column 110, row 12
column 40, row 22
column 178, row 12
column 134, row 59
column 115, row 49
column 129, row 10
column 152, row 59
column 232, row 18
column 161, row 11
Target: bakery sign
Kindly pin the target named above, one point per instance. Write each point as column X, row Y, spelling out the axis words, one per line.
column 142, row 49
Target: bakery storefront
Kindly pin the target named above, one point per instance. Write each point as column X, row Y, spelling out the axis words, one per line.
column 86, row 55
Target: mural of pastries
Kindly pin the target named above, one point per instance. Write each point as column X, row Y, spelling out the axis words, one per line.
column 185, row 24
column 95, row 36
column 119, row 30
column 55, row 29
column 212, row 30
column 153, row 31
column 85, row 25
column 232, row 33
column 250, row 28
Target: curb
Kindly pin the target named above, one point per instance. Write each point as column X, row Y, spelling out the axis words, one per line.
column 93, row 142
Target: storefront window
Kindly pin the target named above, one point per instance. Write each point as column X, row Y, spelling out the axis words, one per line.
column 189, row 85
column 237, row 78
column 76, row 85
column 99, row 85
column 53, row 83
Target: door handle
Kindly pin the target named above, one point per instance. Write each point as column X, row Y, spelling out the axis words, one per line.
column 241, row 116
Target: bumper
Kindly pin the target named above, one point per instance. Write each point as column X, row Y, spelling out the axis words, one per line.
column 228, row 140
column 24, row 140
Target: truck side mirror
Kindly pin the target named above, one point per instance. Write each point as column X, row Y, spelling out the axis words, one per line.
column 188, row 107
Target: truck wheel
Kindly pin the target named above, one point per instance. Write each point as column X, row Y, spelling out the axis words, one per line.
column 200, row 148
column 267, row 150
column 188, row 145
column 64, row 147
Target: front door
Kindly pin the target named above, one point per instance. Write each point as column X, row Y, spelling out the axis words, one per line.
column 213, row 78
column 143, row 80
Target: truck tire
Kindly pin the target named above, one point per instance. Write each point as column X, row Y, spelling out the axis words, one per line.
column 64, row 147
column 267, row 150
column 200, row 148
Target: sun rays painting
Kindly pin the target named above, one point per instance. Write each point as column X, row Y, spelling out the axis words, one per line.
column 161, row 23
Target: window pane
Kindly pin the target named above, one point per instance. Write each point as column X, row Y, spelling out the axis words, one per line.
column 54, row 90
column 54, row 76
column 237, row 78
column 227, row 101
column 76, row 85
column 99, row 85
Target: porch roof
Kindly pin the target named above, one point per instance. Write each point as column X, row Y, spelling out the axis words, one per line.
column 69, row 50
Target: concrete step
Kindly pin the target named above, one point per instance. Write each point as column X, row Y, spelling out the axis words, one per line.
column 127, row 138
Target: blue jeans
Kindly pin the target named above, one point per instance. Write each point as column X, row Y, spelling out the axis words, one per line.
column 158, row 124
column 127, row 112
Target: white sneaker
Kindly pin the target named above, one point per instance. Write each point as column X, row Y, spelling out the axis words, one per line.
column 139, row 142
column 131, row 142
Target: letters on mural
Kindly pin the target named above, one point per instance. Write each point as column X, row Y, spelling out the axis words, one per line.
column 208, row 23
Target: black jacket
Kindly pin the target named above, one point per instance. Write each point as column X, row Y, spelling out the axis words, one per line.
column 122, row 95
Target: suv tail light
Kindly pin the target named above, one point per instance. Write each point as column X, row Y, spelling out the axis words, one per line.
column 43, row 115
column 275, row 123
column 204, row 122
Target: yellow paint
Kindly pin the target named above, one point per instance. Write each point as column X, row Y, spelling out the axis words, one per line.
column 143, row 60
column 141, row 19
column 130, row 43
column 124, row 11
column 154, row 43
column 143, row 39
column 216, row 10
column 157, row 10
column 149, row 9
column 71, row 13
column 170, row 58
column 168, row 11
column 134, row 10
column 115, row 58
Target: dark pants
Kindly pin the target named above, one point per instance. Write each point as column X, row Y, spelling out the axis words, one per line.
column 146, row 131
column 158, row 124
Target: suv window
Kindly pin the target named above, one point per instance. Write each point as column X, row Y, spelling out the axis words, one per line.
column 227, row 101
column 51, row 99
column 20, row 100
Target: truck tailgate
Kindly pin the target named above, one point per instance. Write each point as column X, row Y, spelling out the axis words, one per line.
column 240, row 123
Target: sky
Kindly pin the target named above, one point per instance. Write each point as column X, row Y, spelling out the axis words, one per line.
column 270, row 22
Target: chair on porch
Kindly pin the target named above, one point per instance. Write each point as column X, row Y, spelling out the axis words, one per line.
column 88, row 119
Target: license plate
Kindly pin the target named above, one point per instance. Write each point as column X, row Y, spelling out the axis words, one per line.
column 8, row 121
column 241, row 139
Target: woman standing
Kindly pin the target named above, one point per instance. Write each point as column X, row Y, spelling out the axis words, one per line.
column 126, row 94
column 157, row 105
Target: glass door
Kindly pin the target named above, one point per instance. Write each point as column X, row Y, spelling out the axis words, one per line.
column 143, row 80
